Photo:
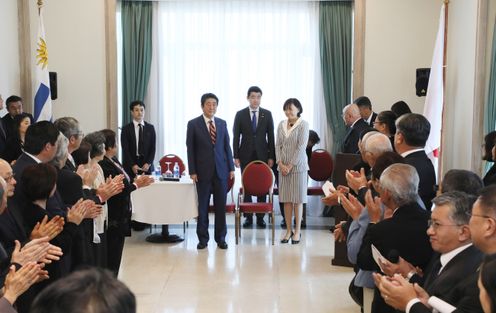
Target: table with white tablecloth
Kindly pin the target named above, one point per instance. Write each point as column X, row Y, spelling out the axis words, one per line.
column 165, row 202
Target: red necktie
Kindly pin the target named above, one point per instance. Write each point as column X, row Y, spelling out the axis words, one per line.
column 212, row 131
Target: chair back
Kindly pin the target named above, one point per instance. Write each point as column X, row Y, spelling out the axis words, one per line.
column 173, row 159
column 257, row 179
column 321, row 165
column 344, row 161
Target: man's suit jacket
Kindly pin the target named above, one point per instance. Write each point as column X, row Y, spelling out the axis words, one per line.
column 372, row 120
column 204, row 158
column 490, row 177
column 119, row 206
column 427, row 175
column 456, row 283
column 128, row 145
column 262, row 141
column 350, row 142
column 404, row 232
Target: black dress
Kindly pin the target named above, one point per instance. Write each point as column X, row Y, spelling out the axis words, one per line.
column 490, row 177
column 13, row 149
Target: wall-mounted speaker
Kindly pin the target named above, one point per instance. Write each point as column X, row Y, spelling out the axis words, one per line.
column 422, row 81
column 53, row 85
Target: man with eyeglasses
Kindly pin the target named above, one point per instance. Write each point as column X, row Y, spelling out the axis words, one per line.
column 452, row 273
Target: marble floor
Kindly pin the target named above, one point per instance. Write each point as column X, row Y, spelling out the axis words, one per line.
column 253, row 276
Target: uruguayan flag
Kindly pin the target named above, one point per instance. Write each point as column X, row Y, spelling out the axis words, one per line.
column 42, row 100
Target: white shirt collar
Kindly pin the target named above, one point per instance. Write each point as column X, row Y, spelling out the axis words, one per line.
column 353, row 124
column 33, row 157
column 404, row 154
column 138, row 123
column 446, row 257
column 253, row 110
column 369, row 119
column 206, row 119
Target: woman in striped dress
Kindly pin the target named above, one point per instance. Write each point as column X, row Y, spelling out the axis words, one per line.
column 292, row 138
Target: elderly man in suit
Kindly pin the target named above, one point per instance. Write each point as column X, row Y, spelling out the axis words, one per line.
column 412, row 132
column 253, row 139
column 452, row 272
column 138, row 142
column 404, row 233
column 355, row 124
column 210, row 164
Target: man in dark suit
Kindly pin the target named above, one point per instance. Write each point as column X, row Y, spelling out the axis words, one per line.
column 138, row 141
column 355, row 124
column 412, row 132
column 452, row 272
column 253, row 139
column 14, row 107
column 69, row 126
column 365, row 107
column 404, row 233
column 210, row 164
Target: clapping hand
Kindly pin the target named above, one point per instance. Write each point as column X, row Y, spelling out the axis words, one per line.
column 78, row 211
column 397, row 291
column 339, row 235
column 373, row 207
column 356, row 180
column 47, row 228
column 352, row 206
column 17, row 282
column 143, row 181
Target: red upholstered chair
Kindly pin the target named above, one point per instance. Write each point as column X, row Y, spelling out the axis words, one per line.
column 257, row 180
column 230, row 207
column 321, row 166
column 173, row 159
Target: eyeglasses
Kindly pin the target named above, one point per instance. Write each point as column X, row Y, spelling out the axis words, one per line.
column 435, row 225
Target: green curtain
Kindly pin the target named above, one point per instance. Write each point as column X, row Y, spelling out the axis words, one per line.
column 490, row 108
column 136, row 52
column 335, row 23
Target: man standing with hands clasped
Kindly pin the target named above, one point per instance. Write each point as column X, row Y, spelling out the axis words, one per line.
column 210, row 164
column 253, row 139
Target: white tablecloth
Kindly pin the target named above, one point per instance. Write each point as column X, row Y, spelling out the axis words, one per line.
column 165, row 202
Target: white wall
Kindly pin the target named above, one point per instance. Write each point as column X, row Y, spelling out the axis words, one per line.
column 9, row 50
column 399, row 38
column 460, row 85
column 75, row 33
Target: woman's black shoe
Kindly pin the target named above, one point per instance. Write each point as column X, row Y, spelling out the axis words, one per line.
column 286, row 240
column 295, row 242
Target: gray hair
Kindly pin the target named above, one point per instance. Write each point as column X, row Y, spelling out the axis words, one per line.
column 401, row 180
column 69, row 126
column 460, row 204
column 3, row 185
column 377, row 144
column 352, row 109
column 61, row 153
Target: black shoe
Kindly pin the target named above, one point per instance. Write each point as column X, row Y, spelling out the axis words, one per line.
column 286, row 240
column 283, row 224
column 303, row 224
column 201, row 246
column 295, row 242
column 261, row 223
column 222, row 245
column 248, row 222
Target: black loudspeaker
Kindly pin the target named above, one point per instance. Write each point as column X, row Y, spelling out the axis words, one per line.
column 422, row 81
column 53, row 85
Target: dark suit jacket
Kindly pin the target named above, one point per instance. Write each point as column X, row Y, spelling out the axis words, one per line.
column 12, row 226
column 457, row 282
column 372, row 120
column 204, row 158
column 13, row 149
column 350, row 142
column 119, row 206
column 128, row 145
column 262, row 141
column 427, row 175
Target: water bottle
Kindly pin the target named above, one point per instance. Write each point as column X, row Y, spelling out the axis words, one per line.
column 158, row 170
column 176, row 170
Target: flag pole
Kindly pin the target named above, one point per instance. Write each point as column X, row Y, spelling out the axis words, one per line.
column 445, row 53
